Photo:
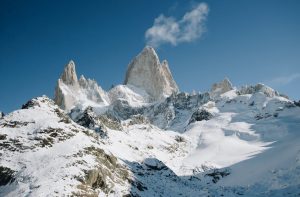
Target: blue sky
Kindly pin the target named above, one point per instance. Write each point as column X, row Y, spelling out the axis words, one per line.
column 247, row 41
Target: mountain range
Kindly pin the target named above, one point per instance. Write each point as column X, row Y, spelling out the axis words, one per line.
column 147, row 138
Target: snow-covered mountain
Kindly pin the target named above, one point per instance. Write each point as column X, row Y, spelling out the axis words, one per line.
column 70, row 91
column 146, row 138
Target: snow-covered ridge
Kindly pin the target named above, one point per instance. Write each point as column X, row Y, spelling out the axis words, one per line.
column 147, row 80
column 140, row 141
column 44, row 153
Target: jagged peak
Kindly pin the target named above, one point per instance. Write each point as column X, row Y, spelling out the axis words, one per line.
column 226, row 80
column 38, row 102
column 82, row 81
column 223, row 86
column 69, row 75
column 70, row 91
column 146, row 72
column 149, row 50
column 260, row 87
column 82, row 78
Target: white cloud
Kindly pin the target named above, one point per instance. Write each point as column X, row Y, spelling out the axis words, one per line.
column 169, row 30
column 284, row 80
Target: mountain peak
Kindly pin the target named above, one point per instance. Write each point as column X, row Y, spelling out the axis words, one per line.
column 219, row 88
column 70, row 91
column 146, row 72
column 69, row 75
column 149, row 50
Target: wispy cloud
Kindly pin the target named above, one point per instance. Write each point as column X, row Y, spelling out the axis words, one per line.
column 284, row 80
column 169, row 30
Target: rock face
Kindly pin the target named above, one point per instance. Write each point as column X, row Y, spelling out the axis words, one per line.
column 219, row 88
column 200, row 114
column 69, row 75
column 68, row 78
column 70, row 91
column 266, row 90
column 146, row 72
column 147, row 80
column 65, row 144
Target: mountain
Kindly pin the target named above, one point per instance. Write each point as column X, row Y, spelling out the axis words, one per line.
column 146, row 138
column 70, row 91
column 146, row 72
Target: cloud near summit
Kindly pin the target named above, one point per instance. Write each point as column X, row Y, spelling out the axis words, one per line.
column 169, row 30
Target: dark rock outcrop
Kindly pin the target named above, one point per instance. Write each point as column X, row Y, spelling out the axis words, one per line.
column 200, row 115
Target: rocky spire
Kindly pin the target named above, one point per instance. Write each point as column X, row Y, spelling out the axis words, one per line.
column 63, row 96
column 69, row 76
column 146, row 72
column 70, row 91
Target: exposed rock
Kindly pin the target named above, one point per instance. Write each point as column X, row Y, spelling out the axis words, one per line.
column 297, row 103
column 27, row 105
column 90, row 120
column 63, row 95
column 3, row 136
column 171, row 112
column 123, row 110
column 36, row 102
column 74, row 150
column 6, row 175
column 69, row 75
column 96, row 179
column 69, row 91
column 179, row 138
column 217, row 174
column 138, row 119
column 87, row 118
column 99, row 123
column 111, row 122
column 200, row 115
column 1, row 114
column 146, row 72
column 154, row 164
column 219, row 88
column 266, row 90
column 14, row 124
column 107, row 173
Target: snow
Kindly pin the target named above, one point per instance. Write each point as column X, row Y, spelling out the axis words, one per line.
column 247, row 145
column 135, row 97
column 252, row 136
column 44, row 171
column 233, row 139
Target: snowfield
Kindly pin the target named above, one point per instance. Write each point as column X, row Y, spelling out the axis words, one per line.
column 245, row 148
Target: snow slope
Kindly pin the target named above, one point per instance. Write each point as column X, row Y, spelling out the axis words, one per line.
column 249, row 145
column 44, row 153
